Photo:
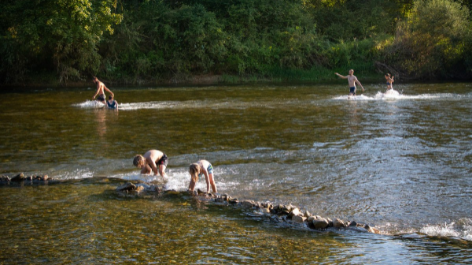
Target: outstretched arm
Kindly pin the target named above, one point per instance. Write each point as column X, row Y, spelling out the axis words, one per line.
column 342, row 76
column 106, row 88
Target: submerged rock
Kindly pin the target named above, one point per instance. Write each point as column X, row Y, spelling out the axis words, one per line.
column 126, row 187
column 5, row 179
column 248, row 204
column 19, row 177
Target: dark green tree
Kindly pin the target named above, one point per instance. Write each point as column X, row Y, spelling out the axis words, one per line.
column 54, row 35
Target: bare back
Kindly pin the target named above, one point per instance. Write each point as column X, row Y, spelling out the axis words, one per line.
column 153, row 156
column 203, row 164
column 100, row 86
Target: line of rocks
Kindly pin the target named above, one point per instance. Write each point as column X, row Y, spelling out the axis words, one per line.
column 21, row 177
column 278, row 213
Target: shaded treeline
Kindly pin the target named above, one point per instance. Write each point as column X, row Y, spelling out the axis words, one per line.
column 134, row 41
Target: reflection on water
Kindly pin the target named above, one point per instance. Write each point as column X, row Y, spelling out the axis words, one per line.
column 400, row 164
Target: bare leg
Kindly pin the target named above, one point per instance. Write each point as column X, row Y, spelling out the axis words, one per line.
column 212, row 183
column 162, row 171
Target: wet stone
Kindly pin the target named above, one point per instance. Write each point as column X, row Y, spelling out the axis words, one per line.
column 126, row 187
column 298, row 219
column 320, row 223
column 338, row 223
column 295, row 212
column 5, row 178
column 219, row 199
column 19, row 177
column 248, row 204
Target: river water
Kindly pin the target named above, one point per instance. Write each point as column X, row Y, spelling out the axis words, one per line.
column 401, row 164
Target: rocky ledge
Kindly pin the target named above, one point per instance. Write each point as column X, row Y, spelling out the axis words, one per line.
column 279, row 213
column 21, row 177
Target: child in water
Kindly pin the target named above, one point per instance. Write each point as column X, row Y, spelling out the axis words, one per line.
column 390, row 81
column 152, row 161
column 202, row 167
column 111, row 103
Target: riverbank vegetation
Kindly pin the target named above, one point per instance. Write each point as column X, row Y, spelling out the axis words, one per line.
column 142, row 41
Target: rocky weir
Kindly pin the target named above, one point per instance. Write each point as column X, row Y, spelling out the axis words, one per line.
column 279, row 213
column 286, row 215
column 22, row 177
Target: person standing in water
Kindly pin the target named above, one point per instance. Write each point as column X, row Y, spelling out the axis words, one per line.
column 390, row 81
column 111, row 103
column 352, row 80
column 152, row 160
column 101, row 90
column 202, row 167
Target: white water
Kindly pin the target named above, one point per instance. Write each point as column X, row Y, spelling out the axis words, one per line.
column 235, row 104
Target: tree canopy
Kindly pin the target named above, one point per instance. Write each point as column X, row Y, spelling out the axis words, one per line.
column 129, row 41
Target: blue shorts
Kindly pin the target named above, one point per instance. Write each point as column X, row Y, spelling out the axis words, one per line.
column 352, row 90
column 209, row 169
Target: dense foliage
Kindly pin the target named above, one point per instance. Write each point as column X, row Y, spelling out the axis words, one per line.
column 154, row 40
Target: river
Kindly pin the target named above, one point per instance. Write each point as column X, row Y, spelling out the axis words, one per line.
column 402, row 164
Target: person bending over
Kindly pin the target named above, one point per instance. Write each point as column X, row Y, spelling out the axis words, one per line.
column 101, row 90
column 152, row 160
column 202, row 167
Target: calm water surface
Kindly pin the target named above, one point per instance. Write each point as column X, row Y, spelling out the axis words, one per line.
column 401, row 164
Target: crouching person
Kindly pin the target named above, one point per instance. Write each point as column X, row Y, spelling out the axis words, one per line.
column 152, row 161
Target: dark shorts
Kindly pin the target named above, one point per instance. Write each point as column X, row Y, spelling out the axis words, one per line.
column 352, row 90
column 162, row 161
column 101, row 97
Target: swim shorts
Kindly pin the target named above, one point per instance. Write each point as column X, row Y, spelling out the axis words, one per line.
column 209, row 169
column 101, row 97
column 352, row 90
column 162, row 161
